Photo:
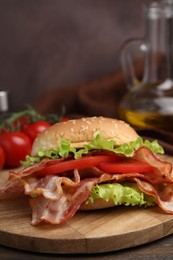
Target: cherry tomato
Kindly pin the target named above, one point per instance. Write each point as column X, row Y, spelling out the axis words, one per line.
column 126, row 167
column 2, row 131
column 32, row 130
column 2, row 158
column 16, row 146
column 84, row 162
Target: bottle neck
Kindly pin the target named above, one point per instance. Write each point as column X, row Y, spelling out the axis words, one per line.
column 159, row 41
column 4, row 104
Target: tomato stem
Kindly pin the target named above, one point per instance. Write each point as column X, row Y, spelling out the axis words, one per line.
column 8, row 119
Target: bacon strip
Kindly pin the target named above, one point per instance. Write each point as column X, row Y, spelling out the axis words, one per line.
column 51, row 187
column 163, row 193
column 163, row 172
column 10, row 182
column 44, row 209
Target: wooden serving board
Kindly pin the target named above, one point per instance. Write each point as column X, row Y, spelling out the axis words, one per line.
column 87, row 232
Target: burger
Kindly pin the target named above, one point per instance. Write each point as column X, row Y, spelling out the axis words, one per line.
column 89, row 164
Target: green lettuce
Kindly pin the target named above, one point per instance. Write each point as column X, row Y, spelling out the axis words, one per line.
column 126, row 193
column 98, row 143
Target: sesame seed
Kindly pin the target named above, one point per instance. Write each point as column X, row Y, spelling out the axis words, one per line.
column 115, row 125
column 83, row 128
column 127, row 125
column 112, row 132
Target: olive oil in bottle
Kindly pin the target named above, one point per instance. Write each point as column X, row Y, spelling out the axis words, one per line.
column 150, row 103
column 147, row 120
column 150, row 106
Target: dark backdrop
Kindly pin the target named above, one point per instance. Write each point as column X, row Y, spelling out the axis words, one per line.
column 49, row 43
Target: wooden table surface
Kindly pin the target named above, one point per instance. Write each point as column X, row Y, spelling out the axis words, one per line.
column 160, row 249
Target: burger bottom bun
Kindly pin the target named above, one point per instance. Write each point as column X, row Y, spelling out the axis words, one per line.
column 98, row 204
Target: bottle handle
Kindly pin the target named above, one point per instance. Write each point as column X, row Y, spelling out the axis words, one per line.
column 133, row 49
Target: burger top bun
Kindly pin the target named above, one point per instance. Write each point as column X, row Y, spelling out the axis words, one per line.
column 81, row 132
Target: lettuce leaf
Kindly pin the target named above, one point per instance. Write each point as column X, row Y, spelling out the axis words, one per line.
column 126, row 193
column 98, row 143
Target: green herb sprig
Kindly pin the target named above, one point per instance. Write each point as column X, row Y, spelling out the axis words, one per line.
column 7, row 120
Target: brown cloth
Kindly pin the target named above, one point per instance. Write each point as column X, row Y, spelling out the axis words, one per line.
column 99, row 97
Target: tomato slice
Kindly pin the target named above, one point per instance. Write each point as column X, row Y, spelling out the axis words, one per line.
column 84, row 162
column 126, row 167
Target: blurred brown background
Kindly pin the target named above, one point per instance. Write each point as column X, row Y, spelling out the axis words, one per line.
column 57, row 43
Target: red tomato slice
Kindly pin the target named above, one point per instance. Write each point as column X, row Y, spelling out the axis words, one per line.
column 126, row 167
column 84, row 162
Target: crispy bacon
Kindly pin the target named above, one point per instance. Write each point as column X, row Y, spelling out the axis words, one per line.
column 51, row 187
column 163, row 172
column 163, row 193
column 73, row 197
column 10, row 182
column 56, row 198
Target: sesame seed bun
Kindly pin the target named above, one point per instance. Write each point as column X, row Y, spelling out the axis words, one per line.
column 81, row 132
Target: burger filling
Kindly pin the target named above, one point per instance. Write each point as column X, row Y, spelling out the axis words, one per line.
column 61, row 180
